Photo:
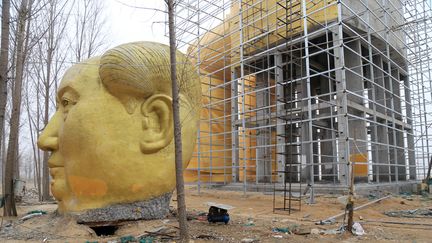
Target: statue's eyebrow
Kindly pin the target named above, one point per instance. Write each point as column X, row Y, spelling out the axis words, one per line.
column 65, row 89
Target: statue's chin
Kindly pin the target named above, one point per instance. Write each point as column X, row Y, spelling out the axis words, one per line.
column 58, row 189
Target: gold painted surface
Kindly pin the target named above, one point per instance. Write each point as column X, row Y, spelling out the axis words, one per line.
column 214, row 142
column 111, row 138
column 264, row 24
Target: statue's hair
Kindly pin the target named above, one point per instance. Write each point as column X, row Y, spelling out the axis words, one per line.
column 142, row 69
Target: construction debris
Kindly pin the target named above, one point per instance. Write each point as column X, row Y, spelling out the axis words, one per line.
column 32, row 214
column 414, row 213
column 206, row 237
column 397, row 222
column 249, row 222
column 281, row 230
column 357, row 229
column 249, row 240
column 29, row 216
column 337, row 231
column 332, row 219
column 302, row 230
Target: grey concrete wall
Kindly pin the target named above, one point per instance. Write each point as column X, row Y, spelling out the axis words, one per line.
column 263, row 139
column 377, row 16
column 355, row 84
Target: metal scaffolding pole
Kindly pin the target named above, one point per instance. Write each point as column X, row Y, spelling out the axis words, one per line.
column 331, row 89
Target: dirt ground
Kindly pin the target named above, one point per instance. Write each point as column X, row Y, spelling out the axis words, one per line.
column 251, row 220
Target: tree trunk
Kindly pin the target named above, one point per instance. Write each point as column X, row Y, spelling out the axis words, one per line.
column 38, row 154
column 45, row 169
column 11, row 160
column 45, row 173
column 181, row 204
column 4, row 57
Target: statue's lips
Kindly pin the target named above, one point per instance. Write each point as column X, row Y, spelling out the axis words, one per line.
column 55, row 160
column 56, row 172
column 56, row 166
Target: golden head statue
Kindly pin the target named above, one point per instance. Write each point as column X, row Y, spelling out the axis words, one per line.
column 111, row 138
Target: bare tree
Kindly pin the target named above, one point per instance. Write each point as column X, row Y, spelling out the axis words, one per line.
column 47, row 62
column 181, row 202
column 33, row 123
column 47, row 85
column 89, row 29
column 4, row 60
column 12, row 151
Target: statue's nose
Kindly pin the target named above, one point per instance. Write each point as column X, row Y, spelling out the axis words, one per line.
column 48, row 140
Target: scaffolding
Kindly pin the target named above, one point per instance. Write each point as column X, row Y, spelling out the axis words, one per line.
column 317, row 93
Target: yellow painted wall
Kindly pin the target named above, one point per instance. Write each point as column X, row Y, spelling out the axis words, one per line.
column 247, row 157
column 212, row 146
column 360, row 167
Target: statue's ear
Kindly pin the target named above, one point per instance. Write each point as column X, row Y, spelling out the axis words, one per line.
column 157, row 123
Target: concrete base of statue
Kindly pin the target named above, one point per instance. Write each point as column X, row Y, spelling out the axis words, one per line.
column 155, row 208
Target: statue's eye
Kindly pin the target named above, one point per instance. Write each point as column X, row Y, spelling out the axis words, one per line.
column 65, row 102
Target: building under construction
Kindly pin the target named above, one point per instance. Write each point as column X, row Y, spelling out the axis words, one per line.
column 308, row 95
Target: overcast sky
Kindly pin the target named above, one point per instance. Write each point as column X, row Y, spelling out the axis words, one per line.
column 129, row 24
